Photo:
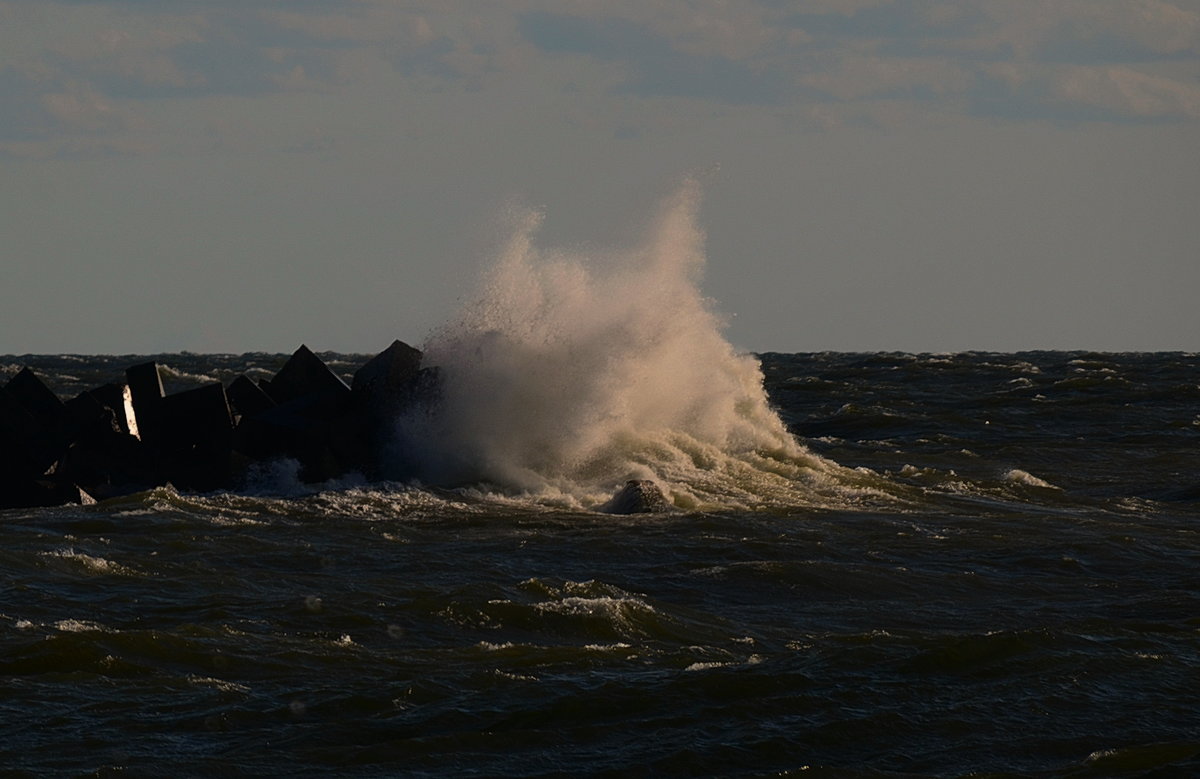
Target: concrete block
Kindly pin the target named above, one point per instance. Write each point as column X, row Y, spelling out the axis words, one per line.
column 305, row 374
column 247, row 398
column 119, row 398
column 388, row 372
column 16, row 423
column 146, row 393
column 89, row 415
column 195, row 436
column 38, row 399
column 109, row 464
column 315, row 430
column 45, row 492
column 27, row 446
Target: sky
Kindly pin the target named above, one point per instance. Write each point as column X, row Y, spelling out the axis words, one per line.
column 242, row 175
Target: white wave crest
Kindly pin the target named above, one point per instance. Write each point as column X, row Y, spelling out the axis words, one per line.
column 1017, row 476
column 169, row 373
column 571, row 373
column 80, row 626
column 90, row 563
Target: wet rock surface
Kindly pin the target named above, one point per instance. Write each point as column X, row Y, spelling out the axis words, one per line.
column 638, row 496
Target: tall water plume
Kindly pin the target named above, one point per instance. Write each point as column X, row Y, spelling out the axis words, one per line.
column 571, row 373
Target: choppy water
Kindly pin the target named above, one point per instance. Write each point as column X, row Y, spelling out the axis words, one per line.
column 980, row 564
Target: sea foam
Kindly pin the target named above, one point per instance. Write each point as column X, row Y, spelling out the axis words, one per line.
column 571, row 372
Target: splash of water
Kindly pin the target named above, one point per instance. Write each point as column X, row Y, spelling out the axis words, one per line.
column 570, row 374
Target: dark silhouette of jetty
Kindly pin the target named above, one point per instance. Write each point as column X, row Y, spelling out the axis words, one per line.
column 130, row 436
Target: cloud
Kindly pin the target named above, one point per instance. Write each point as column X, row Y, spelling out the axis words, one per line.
column 24, row 116
column 1104, row 32
column 1070, row 59
column 85, row 66
column 1126, row 92
column 82, row 108
column 312, row 146
column 1074, row 60
column 868, row 76
column 921, row 20
column 1076, row 93
column 654, row 66
column 36, row 109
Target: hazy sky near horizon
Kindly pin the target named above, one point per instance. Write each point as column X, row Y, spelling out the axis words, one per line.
column 238, row 175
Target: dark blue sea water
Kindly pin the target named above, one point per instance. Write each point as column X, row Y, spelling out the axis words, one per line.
column 971, row 565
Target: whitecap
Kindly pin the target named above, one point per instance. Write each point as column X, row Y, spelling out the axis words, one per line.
column 90, row 563
column 708, row 666
column 1017, row 476
column 80, row 626
column 169, row 372
column 220, row 684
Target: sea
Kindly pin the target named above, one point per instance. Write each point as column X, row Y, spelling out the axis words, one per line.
column 873, row 564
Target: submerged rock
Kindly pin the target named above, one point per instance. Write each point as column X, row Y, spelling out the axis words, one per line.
column 638, row 496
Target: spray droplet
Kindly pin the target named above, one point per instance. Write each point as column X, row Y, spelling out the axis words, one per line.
column 574, row 372
column 313, row 604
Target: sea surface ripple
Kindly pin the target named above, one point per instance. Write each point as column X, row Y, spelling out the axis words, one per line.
column 1007, row 585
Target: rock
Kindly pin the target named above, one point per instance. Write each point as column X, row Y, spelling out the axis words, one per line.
column 109, row 464
column 638, row 496
column 195, row 435
column 190, row 433
column 312, row 406
column 121, row 438
column 247, row 399
column 387, row 374
column 146, row 394
column 45, row 492
column 119, row 399
column 197, row 417
column 38, row 399
column 22, row 460
column 384, row 388
column 104, row 458
column 30, row 438
column 55, row 452
column 89, row 415
column 326, row 439
column 306, row 374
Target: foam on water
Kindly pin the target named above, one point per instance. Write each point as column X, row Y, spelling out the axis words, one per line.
column 89, row 563
column 572, row 372
column 1017, row 476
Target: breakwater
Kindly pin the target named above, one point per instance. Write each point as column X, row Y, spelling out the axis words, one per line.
column 128, row 436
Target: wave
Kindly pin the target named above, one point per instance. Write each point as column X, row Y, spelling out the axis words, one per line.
column 571, row 372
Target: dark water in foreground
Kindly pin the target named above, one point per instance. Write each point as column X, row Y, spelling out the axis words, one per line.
column 1012, row 588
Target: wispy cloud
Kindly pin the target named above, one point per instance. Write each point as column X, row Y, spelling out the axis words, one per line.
column 1017, row 59
column 655, row 66
column 81, row 67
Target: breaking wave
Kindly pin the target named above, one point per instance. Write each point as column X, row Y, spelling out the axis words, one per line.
column 572, row 372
